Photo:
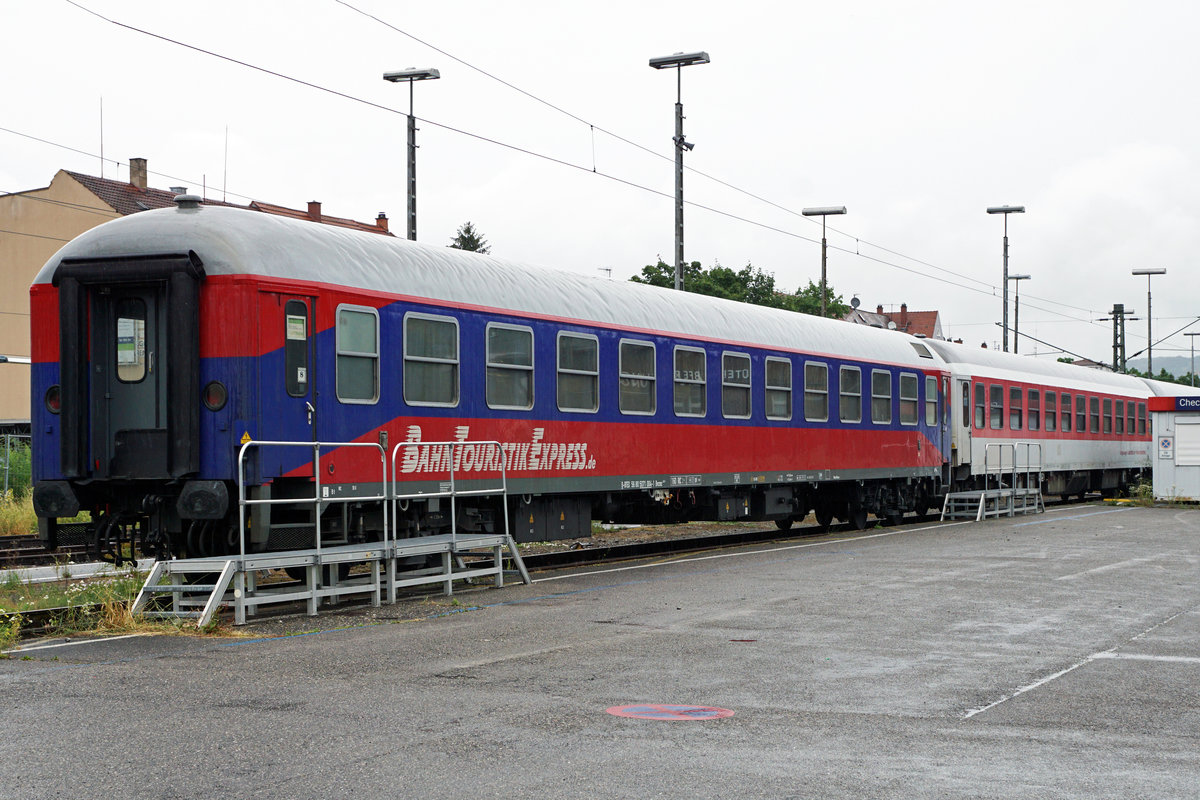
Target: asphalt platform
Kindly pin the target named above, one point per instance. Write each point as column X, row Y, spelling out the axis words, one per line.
column 1050, row 656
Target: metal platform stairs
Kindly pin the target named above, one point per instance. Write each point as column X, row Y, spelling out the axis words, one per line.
column 200, row 587
column 1012, row 485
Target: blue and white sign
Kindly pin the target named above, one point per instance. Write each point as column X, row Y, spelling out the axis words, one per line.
column 1166, row 445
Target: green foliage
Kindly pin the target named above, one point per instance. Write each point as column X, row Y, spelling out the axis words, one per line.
column 19, row 467
column 468, row 238
column 746, row 285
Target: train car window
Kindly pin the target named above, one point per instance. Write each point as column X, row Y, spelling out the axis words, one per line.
column 1141, row 419
column 1080, row 414
column 295, row 347
column 881, row 396
column 931, row 401
column 966, row 404
column 850, row 394
column 1014, row 407
column 131, row 339
column 1095, row 415
column 1066, row 413
column 578, row 372
column 1131, row 425
column 1035, row 410
column 430, row 360
column 636, row 369
column 779, row 388
column 509, row 379
column 735, row 385
column 816, row 392
column 980, row 406
column 1119, row 418
column 1108, row 414
column 1051, row 412
column 357, row 354
column 996, row 418
column 909, row 402
column 690, row 382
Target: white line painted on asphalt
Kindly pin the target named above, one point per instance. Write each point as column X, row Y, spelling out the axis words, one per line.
column 1130, row 562
column 1148, row 657
column 74, row 643
column 1077, row 516
column 741, row 553
column 1109, row 653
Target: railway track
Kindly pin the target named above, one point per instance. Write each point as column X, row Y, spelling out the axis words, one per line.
column 26, row 550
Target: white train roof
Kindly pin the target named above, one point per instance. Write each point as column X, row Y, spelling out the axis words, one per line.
column 235, row 241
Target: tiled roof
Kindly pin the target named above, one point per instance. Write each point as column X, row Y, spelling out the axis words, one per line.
column 127, row 199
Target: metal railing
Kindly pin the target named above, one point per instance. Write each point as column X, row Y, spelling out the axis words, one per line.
column 1013, row 468
column 317, row 499
column 8, row 451
column 451, row 467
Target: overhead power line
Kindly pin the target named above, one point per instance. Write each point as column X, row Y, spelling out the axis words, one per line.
column 990, row 289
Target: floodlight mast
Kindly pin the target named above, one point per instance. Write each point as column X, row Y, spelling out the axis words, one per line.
column 823, row 212
column 1149, row 272
column 1005, row 210
column 679, row 60
column 411, row 76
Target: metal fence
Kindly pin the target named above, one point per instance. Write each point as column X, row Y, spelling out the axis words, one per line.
column 16, row 464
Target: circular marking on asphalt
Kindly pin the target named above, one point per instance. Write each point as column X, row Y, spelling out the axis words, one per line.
column 665, row 712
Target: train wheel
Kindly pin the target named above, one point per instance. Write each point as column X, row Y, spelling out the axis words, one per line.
column 824, row 518
column 858, row 517
column 783, row 524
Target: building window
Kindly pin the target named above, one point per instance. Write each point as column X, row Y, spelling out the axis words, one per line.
column 1051, row 412
column 357, row 354
column 850, row 394
column 980, row 406
column 636, row 370
column 509, row 380
column 816, row 392
column 735, row 385
column 578, row 372
column 931, row 401
column 690, row 382
column 1015, row 421
column 909, row 402
column 996, row 420
column 881, row 397
column 779, row 388
column 430, row 360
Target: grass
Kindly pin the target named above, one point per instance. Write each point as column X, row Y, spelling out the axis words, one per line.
column 16, row 515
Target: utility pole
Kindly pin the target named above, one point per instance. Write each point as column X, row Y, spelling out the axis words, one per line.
column 1118, row 315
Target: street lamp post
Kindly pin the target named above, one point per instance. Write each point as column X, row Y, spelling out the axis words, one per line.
column 411, row 76
column 1005, row 210
column 679, row 61
column 1149, row 317
column 823, row 212
column 1193, row 343
column 1017, row 309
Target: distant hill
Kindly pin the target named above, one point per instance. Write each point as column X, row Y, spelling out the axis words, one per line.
column 1176, row 365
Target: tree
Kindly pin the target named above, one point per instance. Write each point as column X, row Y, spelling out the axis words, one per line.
column 746, row 285
column 468, row 238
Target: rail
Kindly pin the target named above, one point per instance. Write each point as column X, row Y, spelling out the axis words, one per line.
column 317, row 499
column 452, row 466
column 1012, row 449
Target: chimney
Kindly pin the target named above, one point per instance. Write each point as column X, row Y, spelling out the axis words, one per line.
column 382, row 221
column 879, row 308
column 137, row 172
column 904, row 316
column 314, row 210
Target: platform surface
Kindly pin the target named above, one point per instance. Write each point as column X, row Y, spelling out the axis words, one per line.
column 1052, row 656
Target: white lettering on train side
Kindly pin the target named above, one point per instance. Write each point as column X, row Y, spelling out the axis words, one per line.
column 534, row 455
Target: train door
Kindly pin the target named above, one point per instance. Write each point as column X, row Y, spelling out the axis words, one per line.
column 128, row 390
column 287, row 376
column 961, row 439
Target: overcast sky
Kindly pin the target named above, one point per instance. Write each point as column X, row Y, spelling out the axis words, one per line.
column 916, row 116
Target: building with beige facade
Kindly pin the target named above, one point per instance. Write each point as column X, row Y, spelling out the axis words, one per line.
column 34, row 224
